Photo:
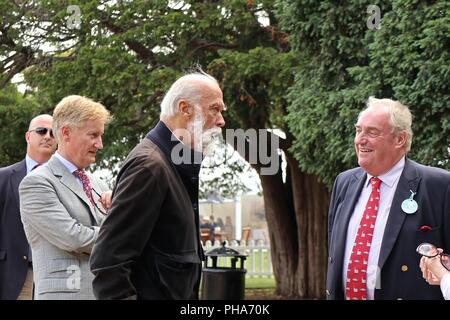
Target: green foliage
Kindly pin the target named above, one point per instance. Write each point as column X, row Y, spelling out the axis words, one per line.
column 255, row 83
column 407, row 59
column 416, row 71
column 16, row 112
column 126, row 54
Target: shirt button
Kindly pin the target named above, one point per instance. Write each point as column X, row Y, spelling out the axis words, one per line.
column 330, row 259
column 404, row 268
column 25, row 258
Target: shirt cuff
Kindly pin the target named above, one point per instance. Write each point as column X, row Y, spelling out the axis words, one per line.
column 445, row 286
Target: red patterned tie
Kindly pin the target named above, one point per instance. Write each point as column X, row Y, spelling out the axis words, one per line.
column 86, row 184
column 356, row 287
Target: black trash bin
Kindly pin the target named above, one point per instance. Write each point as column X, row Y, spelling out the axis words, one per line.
column 220, row 282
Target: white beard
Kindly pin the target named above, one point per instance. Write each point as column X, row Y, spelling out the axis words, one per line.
column 206, row 141
column 210, row 139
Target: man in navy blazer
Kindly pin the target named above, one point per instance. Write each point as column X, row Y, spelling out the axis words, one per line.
column 414, row 207
column 15, row 259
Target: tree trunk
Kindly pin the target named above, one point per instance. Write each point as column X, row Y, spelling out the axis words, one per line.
column 282, row 232
column 311, row 200
column 296, row 213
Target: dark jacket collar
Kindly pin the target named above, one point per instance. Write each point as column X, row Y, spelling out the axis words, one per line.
column 18, row 172
column 188, row 172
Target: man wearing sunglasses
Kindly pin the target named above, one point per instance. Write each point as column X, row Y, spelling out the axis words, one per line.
column 62, row 206
column 16, row 275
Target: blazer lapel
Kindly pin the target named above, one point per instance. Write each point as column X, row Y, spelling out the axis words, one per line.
column 409, row 181
column 70, row 181
column 348, row 206
column 17, row 174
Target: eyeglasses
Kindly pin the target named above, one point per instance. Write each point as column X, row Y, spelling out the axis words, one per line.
column 102, row 211
column 42, row 131
column 430, row 251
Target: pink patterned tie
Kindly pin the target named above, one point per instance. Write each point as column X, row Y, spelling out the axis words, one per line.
column 356, row 286
column 86, row 184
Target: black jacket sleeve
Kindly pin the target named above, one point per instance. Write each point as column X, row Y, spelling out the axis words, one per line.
column 137, row 199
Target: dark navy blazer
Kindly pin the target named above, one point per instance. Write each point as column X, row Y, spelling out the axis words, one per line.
column 14, row 247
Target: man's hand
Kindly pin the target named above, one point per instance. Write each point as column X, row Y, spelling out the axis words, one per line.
column 426, row 273
column 432, row 269
column 105, row 199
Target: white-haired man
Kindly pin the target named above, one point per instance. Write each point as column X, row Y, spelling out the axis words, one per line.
column 380, row 212
column 149, row 246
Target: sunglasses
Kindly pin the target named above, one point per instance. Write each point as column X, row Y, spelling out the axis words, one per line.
column 43, row 131
column 430, row 251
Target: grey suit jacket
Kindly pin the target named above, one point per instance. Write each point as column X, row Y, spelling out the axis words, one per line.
column 61, row 227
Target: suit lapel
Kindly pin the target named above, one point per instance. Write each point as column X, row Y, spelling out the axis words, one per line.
column 17, row 174
column 409, row 180
column 348, row 206
column 70, row 181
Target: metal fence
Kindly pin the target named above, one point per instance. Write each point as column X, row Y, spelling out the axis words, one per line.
column 258, row 262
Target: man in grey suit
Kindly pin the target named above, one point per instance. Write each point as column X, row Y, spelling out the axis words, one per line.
column 62, row 207
column 16, row 273
column 149, row 246
column 380, row 212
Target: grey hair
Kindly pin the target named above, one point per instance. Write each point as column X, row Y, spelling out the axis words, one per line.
column 400, row 117
column 185, row 88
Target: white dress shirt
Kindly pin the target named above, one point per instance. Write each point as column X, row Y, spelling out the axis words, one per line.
column 389, row 181
column 30, row 163
column 445, row 286
column 69, row 165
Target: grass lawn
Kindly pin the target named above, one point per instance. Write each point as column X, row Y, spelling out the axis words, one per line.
column 259, row 288
column 259, row 282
